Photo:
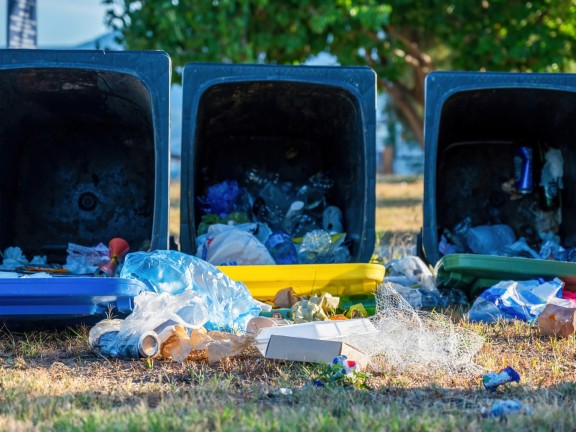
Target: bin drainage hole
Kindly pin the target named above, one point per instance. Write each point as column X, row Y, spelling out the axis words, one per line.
column 87, row 201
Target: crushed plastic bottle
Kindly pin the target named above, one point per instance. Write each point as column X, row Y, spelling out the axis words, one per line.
column 492, row 381
column 281, row 247
column 316, row 247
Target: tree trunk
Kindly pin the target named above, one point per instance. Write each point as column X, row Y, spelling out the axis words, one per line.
column 387, row 163
column 405, row 109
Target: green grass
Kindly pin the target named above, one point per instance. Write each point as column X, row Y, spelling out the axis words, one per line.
column 70, row 388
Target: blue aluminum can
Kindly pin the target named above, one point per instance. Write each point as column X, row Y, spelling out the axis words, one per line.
column 523, row 167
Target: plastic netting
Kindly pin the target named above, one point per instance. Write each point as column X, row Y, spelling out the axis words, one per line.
column 415, row 340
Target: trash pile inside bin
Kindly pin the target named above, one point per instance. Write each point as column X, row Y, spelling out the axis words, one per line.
column 517, row 212
column 264, row 219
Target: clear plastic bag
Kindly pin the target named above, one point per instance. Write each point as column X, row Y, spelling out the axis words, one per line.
column 229, row 303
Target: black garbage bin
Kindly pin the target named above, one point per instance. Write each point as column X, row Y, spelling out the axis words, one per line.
column 475, row 125
column 84, row 153
column 294, row 121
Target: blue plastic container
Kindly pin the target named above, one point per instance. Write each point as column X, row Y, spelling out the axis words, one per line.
column 474, row 124
column 294, row 121
column 62, row 301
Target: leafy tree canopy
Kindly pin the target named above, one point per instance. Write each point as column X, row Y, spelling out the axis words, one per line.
column 402, row 40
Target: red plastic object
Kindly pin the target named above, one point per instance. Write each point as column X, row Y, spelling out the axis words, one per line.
column 117, row 250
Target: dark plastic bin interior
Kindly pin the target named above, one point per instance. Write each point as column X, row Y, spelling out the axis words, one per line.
column 293, row 120
column 84, row 150
column 474, row 121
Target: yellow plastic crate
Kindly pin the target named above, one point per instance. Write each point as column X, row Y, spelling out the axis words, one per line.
column 307, row 279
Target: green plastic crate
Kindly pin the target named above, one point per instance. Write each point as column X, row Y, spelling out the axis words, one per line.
column 474, row 273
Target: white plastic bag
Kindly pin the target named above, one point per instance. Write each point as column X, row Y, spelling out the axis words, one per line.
column 231, row 245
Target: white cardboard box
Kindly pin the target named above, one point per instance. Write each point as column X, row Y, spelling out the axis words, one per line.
column 317, row 330
column 311, row 350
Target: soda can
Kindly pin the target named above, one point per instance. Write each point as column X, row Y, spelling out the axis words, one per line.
column 523, row 167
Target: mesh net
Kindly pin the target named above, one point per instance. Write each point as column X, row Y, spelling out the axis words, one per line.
column 420, row 341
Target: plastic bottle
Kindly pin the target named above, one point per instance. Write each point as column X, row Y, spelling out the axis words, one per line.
column 281, row 247
column 271, row 204
column 313, row 198
column 332, row 220
column 484, row 239
column 292, row 215
column 316, row 247
column 490, row 239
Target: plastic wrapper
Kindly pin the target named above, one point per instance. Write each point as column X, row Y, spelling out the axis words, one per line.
column 232, row 245
column 13, row 258
column 413, row 270
column 485, row 239
column 86, row 259
column 522, row 300
column 229, row 303
column 221, row 198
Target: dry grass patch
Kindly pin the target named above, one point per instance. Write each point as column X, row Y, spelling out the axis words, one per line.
column 64, row 386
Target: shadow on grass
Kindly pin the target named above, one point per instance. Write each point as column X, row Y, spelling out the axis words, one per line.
column 398, row 202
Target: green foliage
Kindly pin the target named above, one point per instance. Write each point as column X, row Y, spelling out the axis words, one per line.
column 402, row 40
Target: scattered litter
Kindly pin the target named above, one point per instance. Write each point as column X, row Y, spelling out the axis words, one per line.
column 85, row 259
column 314, row 308
column 414, row 281
column 347, row 366
column 39, row 261
column 154, row 319
column 13, row 258
column 523, row 300
column 485, row 239
column 558, row 320
column 285, row 298
column 37, row 275
column 258, row 323
column 285, row 391
column 117, row 250
column 520, row 248
column 503, row 408
column 216, row 345
column 493, row 380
